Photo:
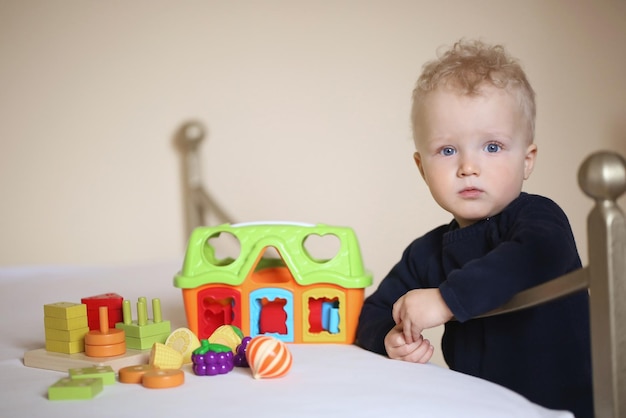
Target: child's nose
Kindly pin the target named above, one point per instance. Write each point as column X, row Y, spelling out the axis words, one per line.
column 468, row 167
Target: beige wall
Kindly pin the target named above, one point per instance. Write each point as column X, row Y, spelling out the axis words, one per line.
column 306, row 103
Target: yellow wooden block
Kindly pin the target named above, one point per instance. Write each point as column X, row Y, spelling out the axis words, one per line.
column 65, row 310
column 66, row 335
column 65, row 324
column 65, row 347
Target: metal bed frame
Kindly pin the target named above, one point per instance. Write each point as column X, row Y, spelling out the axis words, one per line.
column 602, row 177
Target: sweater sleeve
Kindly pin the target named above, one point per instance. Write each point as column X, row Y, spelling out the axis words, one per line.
column 376, row 319
column 537, row 245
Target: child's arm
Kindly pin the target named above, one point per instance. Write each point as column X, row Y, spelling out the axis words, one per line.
column 418, row 310
column 532, row 243
column 376, row 320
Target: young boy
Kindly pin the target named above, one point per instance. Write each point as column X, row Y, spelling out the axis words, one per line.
column 473, row 126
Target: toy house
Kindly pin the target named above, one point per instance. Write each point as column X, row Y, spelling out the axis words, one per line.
column 293, row 297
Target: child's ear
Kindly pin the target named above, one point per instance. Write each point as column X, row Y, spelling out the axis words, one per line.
column 529, row 160
column 418, row 161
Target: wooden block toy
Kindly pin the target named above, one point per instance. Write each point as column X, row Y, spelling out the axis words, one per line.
column 112, row 301
column 42, row 359
column 65, row 327
column 65, row 324
column 107, row 342
column 65, row 310
column 143, row 333
column 70, row 389
column 66, row 335
column 148, row 329
column 65, row 347
column 162, row 379
column 133, row 374
column 144, row 343
column 106, row 373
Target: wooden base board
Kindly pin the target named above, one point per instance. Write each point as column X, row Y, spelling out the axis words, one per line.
column 43, row 359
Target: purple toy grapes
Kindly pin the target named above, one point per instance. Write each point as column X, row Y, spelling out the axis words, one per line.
column 212, row 359
column 240, row 356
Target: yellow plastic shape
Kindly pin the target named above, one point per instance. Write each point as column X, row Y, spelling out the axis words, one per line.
column 325, row 336
column 165, row 357
column 184, row 341
column 227, row 335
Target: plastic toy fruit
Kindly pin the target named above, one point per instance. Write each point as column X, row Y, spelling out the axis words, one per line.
column 184, row 341
column 164, row 357
column 228, row 335
column 240, row 354
column 268, row 357
column 212, row 359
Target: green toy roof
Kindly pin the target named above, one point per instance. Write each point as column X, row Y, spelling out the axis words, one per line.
column 201, row 266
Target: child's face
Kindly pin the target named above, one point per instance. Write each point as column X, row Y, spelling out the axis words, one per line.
column 473, row 151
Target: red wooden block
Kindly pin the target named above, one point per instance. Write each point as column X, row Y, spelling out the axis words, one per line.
column 112, row 301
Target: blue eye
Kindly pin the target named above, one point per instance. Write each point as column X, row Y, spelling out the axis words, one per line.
column 493, row 147
column 447, row 151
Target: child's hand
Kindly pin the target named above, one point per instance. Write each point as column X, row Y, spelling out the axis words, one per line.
column 418, row 310
column 419, row 351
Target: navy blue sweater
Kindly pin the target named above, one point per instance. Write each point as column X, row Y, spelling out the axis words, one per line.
column 542, row 352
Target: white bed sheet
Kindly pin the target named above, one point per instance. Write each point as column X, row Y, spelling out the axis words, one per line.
column 325, row 380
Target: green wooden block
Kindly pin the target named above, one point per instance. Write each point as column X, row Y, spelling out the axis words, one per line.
column 149, row 329
column 106, row 373
column 74, row 389
column 145, row 343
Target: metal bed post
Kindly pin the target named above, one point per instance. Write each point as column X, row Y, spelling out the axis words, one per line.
column 603, row 178
column 197, row 202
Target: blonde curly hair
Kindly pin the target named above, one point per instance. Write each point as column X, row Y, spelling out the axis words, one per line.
column 466, row 67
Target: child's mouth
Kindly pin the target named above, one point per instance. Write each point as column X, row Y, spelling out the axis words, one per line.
column 470, row 192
